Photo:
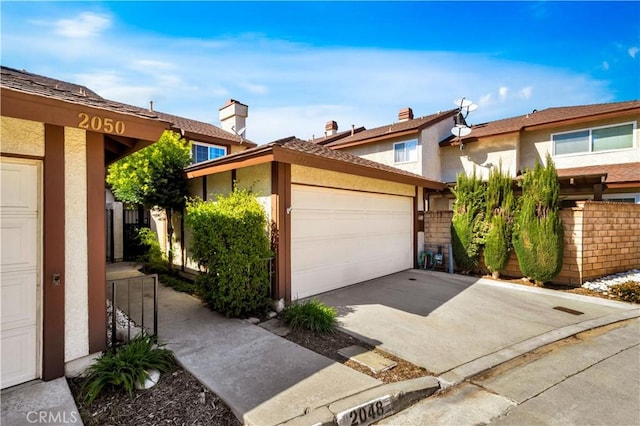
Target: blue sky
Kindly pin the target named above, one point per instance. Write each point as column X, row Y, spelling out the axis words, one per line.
column 300, row 64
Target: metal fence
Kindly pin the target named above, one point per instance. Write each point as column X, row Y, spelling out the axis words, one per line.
column 134, row 308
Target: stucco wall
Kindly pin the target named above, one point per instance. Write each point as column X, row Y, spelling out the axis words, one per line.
column 76, row 262
column 431, row 151
column 536, row 144
column 328, row 178
column 482, row 155
column 22, row 136
column 219, row 183
column 257, row 179
column 382, row 152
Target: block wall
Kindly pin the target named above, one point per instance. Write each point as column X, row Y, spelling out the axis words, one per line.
column 600, row 238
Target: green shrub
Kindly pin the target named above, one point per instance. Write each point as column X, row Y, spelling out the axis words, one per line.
column 230, row 242
column 500, row 204
column 627, row 292
column 156, row 260
column 467, row 221
column 125, row 366
column 538, row 232
column 312, row 315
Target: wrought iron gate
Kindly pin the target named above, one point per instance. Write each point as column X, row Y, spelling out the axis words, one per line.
column 135, row 218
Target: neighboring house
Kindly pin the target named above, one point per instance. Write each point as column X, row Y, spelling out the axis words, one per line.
column 340, row 218
column 331, row 133
column 55, row 140
column 208, row 142
column 595, row 149
column 410, row 144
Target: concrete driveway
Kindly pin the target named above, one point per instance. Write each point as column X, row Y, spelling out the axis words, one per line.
column 441, row 321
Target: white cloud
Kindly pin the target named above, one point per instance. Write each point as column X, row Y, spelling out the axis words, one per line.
column 633, row 51
column 84, row 25
column 525, row 92
column 293, row 88
column 503, row 92
column 605, row 65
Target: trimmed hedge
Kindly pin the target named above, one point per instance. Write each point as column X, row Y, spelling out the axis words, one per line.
column 467, row 221
column 230, row 242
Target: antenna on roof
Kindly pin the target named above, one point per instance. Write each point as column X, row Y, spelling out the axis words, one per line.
column 239, row 132
column 460, row 127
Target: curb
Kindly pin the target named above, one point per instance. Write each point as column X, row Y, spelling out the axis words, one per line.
column 465, row 371
column 395, row 397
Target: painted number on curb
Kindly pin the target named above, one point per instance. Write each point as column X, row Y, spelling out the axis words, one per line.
column 366, row 413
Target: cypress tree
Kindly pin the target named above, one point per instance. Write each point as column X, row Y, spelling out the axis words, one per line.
column 466, row 225
column 500, row 206
column 538, row 234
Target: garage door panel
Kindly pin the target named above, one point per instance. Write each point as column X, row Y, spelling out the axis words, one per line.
column 342, row 237
column 18, row 239
column 19, row 188
column 18, row 300
column 18, row 349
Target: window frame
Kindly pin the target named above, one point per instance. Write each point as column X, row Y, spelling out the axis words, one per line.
column 405, row 142
column 208, row 146
column 634, row 141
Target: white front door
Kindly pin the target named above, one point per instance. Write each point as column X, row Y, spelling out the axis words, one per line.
column 20, row 238
column 341, row 237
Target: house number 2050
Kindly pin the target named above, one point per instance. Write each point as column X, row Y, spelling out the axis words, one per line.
column 100, row 124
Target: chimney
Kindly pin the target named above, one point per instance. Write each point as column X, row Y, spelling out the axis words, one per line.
column 331, row 128
column 405, row 114
column 233, row 117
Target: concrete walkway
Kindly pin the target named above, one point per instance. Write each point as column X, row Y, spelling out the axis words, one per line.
column 263, row 378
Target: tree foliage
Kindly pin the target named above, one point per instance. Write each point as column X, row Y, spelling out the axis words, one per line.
column 230, row 241
column 500, row 208
column 154, row 177
column 467, row 222
column 538, row 233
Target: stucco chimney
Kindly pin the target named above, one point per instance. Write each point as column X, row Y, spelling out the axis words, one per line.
column 233, row 116
column 331, row 128
column 405, row 114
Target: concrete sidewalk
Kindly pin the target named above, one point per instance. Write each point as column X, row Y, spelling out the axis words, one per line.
column 263, row 378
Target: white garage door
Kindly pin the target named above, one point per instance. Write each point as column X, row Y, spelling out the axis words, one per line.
column 19, row 263
column 343, row 237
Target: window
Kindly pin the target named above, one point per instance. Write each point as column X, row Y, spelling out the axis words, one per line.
column 203, row 152
column 404, row 152
column 594, row 140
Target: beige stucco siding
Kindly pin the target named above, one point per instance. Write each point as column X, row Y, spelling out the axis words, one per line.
column 257, row 179
column 220, row 183
column 331, row 179
column 482, row 155
column 382, row 152
column 430, row 139
column 536, row 144
column 76, row 296
column 21, row 136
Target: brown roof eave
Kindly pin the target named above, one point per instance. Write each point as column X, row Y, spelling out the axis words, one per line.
column 375, row 139
column 284, row 155
column 591, row 117
column 237, row 160
column 194, row 136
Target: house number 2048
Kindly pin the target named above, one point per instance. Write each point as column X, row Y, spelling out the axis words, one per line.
column 100, row 124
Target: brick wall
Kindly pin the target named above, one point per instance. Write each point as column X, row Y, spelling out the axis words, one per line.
column 600, row 238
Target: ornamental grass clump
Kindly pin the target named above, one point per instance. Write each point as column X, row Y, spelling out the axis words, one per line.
column 312, row 315
column 125, row 366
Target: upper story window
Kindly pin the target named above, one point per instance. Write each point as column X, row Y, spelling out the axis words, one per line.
column 596, row 139
column 404, row 152
column 202, row 152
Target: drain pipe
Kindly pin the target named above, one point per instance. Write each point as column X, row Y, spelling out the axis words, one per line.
column 450, row 258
